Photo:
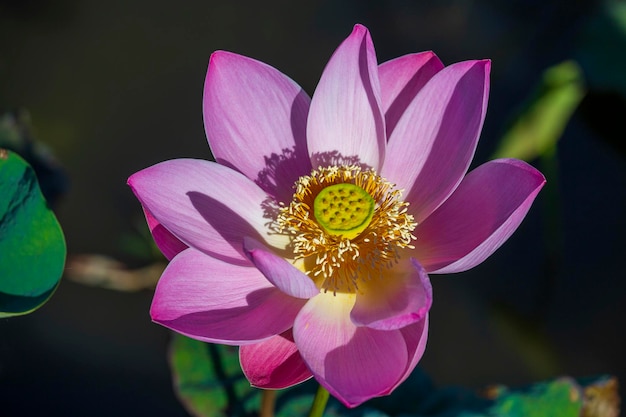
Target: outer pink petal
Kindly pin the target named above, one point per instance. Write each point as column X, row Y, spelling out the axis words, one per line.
column 214, row 301
column 274, row 363
column 479, row 217
column 255, row 120
column 352, row 363
column 346, row 120
column 394, row 301
column 401, row 79
column 205, row 205
column 279, row 271
column 415, row 337
column 434, row 141
column 169, row 244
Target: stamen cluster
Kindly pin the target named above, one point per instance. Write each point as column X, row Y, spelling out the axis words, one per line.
column 335, row 262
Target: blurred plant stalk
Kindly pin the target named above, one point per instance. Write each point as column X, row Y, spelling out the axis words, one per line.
column 105, row 272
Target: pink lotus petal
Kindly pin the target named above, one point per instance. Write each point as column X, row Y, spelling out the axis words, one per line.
column 401, row 79
column 169, row 244
column 479, row 217
column 353, row 363
column 279, row 271
column 215, row 301
column 434, row 141
column 345, row 119
column 400, row 297
column 207, row 206
column 274, row 363
column 255, row 120
column 415, row 337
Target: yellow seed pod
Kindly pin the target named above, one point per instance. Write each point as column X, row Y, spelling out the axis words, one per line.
column 344, row 209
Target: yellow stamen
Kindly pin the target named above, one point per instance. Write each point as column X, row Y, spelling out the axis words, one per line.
column 336, row 251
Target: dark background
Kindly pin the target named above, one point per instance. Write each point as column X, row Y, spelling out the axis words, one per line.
column 113, row 87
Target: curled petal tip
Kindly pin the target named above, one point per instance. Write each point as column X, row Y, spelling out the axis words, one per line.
column 279, row 271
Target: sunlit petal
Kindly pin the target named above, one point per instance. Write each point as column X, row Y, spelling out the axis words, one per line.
column 216, row 301
column 250, row 105
column 352, row 363
column 479, row 217
column 434, row 141
column 196, row 202
column 398, row 298
column 274, row 363
column 346, row 117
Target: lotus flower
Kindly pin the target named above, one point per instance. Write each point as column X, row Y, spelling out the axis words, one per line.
column 308, row 243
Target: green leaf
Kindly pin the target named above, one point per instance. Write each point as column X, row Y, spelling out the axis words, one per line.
column 558, row 398
column 32, row 246
column 298, row 405
column 542, row 120
column 209, row 382
column 208, row 379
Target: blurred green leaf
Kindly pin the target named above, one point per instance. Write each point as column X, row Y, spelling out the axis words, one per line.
column 209, row 382
column 32, row 246
column 208, row 379
column 296, row 406
column 558, row 398
column 15, row 305
column 542, row 120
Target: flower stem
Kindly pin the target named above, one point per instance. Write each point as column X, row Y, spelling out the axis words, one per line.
column 268, row 400
column 319, row 402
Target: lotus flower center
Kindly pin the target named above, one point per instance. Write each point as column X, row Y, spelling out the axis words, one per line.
column 344, row 209
column 346, row 225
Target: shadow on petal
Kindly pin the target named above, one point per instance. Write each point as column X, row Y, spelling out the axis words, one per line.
column 230, row 225
column 428, row 64
column 280, row 174
column 335, row 158
column 268, row 312
column 372, row 97
column 283, row 170
column 167, row 242
column 434, row 141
